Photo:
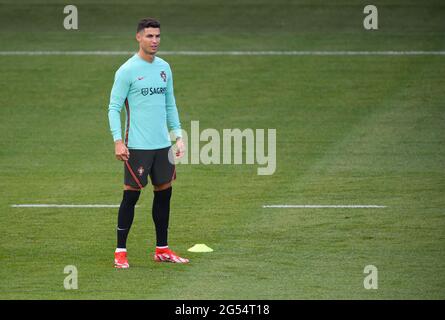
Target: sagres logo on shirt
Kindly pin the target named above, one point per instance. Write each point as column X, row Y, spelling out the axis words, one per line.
column 152, row 91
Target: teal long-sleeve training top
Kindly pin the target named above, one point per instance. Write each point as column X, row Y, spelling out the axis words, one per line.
column 146, row 90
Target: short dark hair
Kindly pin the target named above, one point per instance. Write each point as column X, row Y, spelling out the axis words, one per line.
column 148, row 23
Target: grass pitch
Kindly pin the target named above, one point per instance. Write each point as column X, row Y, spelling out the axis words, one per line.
column 350, row 130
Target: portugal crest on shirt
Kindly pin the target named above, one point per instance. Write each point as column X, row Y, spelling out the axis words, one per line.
column 163, row 76
column 140, row 171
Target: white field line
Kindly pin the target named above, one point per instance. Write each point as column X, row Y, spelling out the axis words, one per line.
column 117, row 206
column 228, row 53
column 64, row 206
column 323, row 206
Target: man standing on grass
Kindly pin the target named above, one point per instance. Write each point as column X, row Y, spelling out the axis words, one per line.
column 144, row 84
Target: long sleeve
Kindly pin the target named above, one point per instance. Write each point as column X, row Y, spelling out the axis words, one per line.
column 118, row 95
column 173, row 122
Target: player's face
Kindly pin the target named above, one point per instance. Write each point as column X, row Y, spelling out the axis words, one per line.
column 149, row 40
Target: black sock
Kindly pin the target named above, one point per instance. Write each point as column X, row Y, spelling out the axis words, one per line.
column 161, row 213
column 125, row 216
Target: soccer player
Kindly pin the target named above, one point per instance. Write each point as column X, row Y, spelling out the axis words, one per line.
column 144, row 84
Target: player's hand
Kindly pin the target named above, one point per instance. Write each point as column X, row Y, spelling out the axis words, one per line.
column 121, row 151
column 180, row 148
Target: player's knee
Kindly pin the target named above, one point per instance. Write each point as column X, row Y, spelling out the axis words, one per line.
column 127, row 187
column 161, row 187
column 131, row 196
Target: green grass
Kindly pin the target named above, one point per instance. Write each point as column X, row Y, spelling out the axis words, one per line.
column 225, row 25
column 350, row 130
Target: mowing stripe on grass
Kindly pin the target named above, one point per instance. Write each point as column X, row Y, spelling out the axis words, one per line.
column 316, row 206
column 229, row 53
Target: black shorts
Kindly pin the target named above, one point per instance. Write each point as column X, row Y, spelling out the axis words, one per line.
column 155, row 163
